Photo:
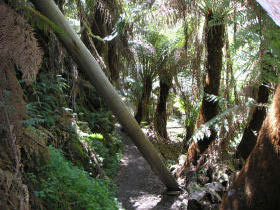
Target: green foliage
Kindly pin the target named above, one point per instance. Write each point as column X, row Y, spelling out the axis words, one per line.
column 60, row 185
column 221, row 119
column 49, row 101
column 70, row 9
column 99, row 121
column 190, row 107
column 64, row 186
column 109, row 154
column 47, row 107
column 34, row 17
column 256, row 43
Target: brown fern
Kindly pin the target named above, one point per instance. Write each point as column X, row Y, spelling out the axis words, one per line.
column 18, row 43
column 18, row 47
column 11, row 115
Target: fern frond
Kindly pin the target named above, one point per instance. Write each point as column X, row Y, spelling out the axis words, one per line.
column 221, row 119
column 102, row 6
column 18, row 43
column 105, row 7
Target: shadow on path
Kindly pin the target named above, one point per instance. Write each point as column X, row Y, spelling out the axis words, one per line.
column 139, row 188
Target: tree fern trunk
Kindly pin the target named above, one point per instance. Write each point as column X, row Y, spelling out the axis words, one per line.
column 142, row 113
column 257, row 185
column 249, row 138
column 209, row 109
column 160, row 118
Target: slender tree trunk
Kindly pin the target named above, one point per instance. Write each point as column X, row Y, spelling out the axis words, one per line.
column 160, row 118
column 250, row 135
column 209, row 109
column 98, row 79
column 196, row 67
column 257, row 186
column 228, row 80
column 189, row 132
column 142, row 113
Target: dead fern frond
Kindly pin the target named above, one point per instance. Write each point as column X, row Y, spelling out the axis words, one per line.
column 11, row 96
column 11, row 114
column 18, row 47
column 13, row 194
column 102, row 6
column 105, row 8
column 18, row 43
column 184, row 7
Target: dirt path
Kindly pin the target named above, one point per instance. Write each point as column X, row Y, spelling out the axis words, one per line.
column 139, row 188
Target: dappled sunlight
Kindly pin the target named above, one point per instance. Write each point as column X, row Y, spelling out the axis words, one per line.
column 145, row 201
column 139, row 105
column 175, row 128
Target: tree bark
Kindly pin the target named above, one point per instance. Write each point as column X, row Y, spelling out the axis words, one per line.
column 113, row 61
column 209, row 109
column 108, row 50
column 257, row 186
column 96, row 76
column 250, row 135
column 160, row 118
column 142, row 107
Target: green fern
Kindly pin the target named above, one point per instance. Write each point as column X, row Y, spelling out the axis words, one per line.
column 220, row 120
column 64, row 186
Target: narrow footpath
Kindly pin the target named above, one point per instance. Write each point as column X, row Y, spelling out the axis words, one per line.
column 139, row 188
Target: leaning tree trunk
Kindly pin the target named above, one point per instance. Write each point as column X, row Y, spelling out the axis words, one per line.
column 257, row 185
column 142, row 113
column 249, row 138
column 98, row 79
column 160, row 118
column 209, row 109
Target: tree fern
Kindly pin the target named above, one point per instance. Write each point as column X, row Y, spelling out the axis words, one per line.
column 220, row 120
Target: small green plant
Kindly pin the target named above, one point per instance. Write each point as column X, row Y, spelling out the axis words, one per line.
column 46, row 104
column 100, row 118
column 109, row 154
column 64, row 186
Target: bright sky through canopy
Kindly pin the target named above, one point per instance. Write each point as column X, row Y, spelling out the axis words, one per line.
column 273, row 9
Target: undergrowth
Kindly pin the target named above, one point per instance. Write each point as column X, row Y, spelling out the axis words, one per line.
column 81, row 130
column 60, row 185
column 109, row 155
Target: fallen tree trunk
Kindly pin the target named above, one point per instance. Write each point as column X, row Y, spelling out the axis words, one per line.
column 91, row 68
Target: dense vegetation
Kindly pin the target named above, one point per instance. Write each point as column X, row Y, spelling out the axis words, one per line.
column 211, row 66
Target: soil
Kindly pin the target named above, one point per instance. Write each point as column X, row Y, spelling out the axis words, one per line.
column 138, row 187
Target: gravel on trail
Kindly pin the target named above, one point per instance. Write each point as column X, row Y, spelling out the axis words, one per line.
column 139, row 187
